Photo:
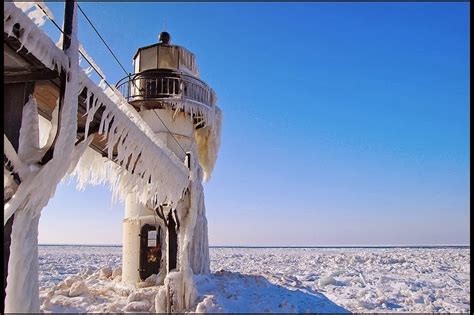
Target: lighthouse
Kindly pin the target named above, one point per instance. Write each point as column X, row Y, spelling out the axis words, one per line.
column 181, row 110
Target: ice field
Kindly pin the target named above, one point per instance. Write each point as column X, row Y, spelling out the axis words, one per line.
column 87, row 279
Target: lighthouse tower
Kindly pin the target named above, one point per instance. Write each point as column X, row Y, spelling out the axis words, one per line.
column 180, row 108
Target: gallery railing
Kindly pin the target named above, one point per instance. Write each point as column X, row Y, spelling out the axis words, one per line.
column 163, row 85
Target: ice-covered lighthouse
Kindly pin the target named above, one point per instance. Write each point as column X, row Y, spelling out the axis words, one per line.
column 180, row 108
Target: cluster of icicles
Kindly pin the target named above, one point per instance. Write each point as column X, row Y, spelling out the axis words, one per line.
column 157, row 171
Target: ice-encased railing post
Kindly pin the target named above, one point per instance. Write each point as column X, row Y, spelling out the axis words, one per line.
column 178, row 292
column 199, row 248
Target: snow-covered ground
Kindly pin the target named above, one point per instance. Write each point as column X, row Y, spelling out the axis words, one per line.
column 87, row 279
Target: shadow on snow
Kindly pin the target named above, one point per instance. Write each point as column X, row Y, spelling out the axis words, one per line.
column 236, row 292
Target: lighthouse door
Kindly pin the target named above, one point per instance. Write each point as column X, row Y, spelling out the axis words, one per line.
column 150, row 250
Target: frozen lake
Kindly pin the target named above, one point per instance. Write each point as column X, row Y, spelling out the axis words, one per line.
column 275, row 280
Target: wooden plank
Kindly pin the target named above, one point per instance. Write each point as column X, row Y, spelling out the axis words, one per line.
column 29, row 76
column 46, row 94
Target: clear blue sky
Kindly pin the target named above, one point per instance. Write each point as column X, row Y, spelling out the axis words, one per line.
column 344, row 124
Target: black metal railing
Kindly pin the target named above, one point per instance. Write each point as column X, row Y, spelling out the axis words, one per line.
column 164, row 84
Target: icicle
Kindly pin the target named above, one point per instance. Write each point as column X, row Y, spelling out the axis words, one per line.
column 91, row 61
column 24, row 6
column 107, row 122
column 102, row 84
column 38, row 17
column 120, row 149
column 18, row 165
column 88, row 71
column 88, row 101
column 90, row 115
column 28, row 147
column 33, row 38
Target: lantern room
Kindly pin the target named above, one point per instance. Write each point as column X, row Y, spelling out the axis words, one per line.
column 163, row 74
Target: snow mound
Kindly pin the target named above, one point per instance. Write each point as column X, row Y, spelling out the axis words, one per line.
column 117, row 272
column 326, row 281
column 78, row 288
column 105, row 273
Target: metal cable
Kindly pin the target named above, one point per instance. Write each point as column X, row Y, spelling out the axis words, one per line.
column 102, row 39
column 169, row 131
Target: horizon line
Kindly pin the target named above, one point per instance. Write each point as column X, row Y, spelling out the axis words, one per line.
column 282, row 246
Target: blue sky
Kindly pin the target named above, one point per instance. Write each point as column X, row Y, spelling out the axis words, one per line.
column 344, row 123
